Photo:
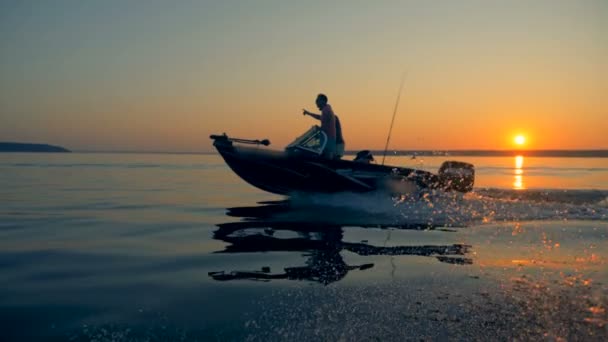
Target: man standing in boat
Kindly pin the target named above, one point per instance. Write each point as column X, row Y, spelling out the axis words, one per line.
column 330, row 124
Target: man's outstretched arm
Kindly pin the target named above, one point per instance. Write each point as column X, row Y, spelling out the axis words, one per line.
column 316, row 116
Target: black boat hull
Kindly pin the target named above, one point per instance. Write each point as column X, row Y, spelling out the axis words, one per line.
column 281, row 173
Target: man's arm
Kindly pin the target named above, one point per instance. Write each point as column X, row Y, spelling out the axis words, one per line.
column 316, row 116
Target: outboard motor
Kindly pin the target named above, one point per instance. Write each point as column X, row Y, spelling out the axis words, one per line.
column 458, row 176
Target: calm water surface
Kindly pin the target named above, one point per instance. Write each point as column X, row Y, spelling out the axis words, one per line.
column 140, row 247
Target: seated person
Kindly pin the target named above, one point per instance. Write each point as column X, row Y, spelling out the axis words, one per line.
column 364, row 156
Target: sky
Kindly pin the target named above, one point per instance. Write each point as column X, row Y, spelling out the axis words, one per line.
column 164, row 75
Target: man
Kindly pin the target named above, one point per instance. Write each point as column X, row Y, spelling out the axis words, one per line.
column 330, row 124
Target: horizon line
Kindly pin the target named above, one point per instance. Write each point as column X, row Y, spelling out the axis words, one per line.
column 603, row 153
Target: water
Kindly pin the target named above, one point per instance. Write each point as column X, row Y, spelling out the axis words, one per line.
column 154, row 247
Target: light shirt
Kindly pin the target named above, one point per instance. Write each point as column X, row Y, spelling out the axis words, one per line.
column 328, row 122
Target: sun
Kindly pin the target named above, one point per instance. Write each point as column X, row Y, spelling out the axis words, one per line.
column 519, row 140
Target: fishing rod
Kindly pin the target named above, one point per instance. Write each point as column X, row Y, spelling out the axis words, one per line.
column 393, row 119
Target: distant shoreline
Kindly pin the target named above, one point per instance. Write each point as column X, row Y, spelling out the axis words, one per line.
column 11, row 147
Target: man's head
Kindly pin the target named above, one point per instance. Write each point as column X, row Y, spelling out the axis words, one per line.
column 321, row 101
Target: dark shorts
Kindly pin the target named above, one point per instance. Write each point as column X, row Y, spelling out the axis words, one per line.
column 330, row 149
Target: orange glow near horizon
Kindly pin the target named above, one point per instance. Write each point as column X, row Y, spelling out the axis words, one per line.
column 476, row 79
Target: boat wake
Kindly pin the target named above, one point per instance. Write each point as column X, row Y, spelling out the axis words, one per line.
column 440, row 209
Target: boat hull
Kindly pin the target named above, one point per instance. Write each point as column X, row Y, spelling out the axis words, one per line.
column 281, row 173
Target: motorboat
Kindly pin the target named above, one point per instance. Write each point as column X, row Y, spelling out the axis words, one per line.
column 302, row 168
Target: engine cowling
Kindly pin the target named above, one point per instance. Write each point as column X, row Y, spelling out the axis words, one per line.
column 457, row 176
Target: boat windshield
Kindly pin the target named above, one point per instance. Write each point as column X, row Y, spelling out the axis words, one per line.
column 313, row 140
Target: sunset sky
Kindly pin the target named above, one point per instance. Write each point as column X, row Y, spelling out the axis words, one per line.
column 163, row 75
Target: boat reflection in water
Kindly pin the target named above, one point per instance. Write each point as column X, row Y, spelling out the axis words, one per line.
column 321, row 243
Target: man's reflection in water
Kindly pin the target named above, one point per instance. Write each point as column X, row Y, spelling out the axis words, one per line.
column 324, row 265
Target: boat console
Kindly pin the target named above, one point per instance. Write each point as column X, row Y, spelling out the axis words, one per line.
column 310, row 143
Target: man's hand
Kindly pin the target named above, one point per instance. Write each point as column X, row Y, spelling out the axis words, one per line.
column 305, row 112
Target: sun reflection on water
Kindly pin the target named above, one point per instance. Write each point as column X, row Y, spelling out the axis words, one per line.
column 518, row 183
